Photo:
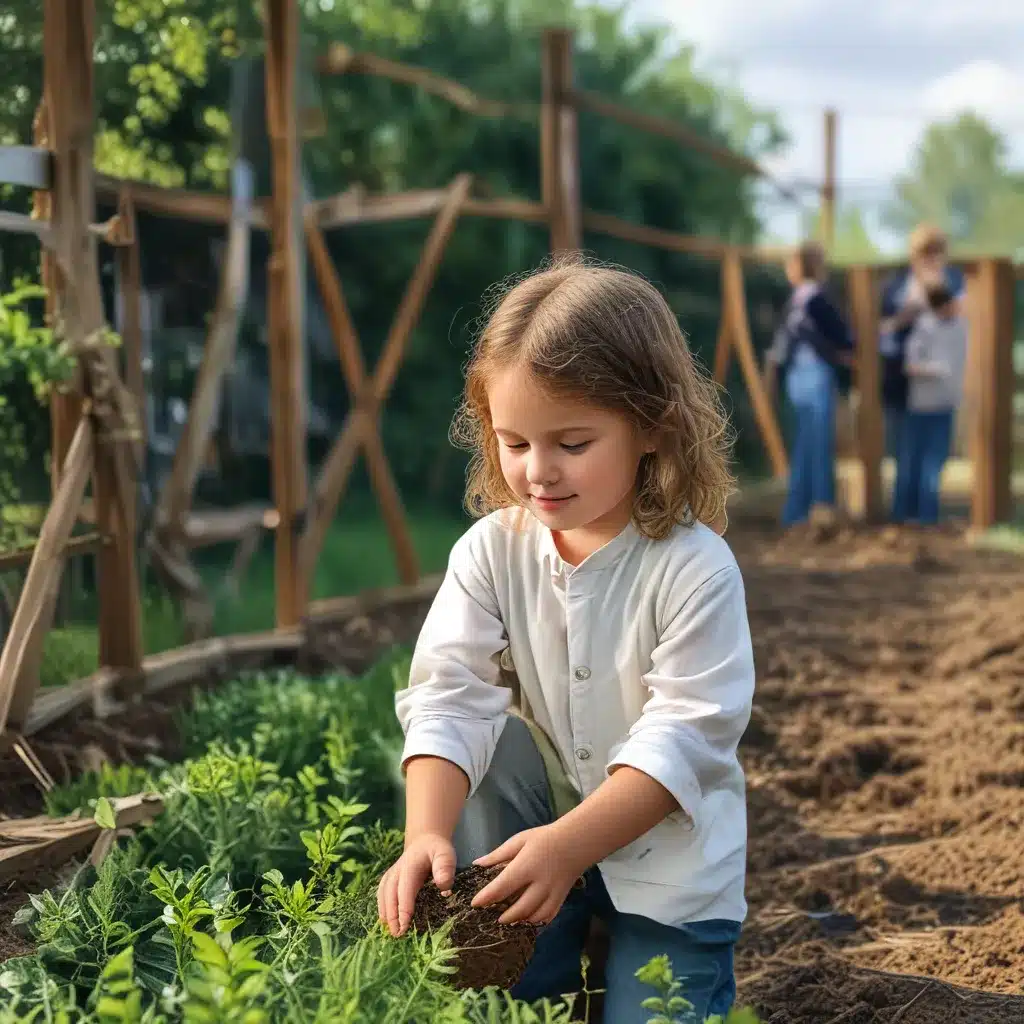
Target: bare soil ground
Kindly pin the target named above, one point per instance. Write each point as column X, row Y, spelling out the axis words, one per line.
column 885, row 764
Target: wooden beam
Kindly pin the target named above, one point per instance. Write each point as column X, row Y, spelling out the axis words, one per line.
column 64, row 406
column 422, row 280
column 559, row 144
column 129, row 273
column 723, row 345
column 369, row 396
column 87, row 544
column 367, row 602
column 25, row 166
column 202, row 207
column 867, row 374
column 22, row 224
column 828, row 187
column 218, row 354
column 733, row 295
column 22, row 651
column 675, row 241
column 355, row 206
column 993, row 379
column 285, row 298
column 73, row 277
column 26, row 843
column 674, row 130
column 343, row 60
column 70, row 105
column 343, row 330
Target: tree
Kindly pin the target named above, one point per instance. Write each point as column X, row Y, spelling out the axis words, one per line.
column 852, row 243
column 163, row 76
column 960, row 180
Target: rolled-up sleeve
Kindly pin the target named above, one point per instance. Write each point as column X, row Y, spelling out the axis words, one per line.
column 454, row 707
column 701, row 685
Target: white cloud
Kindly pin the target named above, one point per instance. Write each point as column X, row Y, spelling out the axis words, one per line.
column 987, row 87
column 888, row 68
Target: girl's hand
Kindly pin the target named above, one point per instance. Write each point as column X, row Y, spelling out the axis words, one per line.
column 539, row 865
column 425, row 856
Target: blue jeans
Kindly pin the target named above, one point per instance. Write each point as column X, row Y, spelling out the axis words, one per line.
column 514, row 796
column 811, row 390
column 893, row 418
column 924, row 448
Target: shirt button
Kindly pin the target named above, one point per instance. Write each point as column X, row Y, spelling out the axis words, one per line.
column 582, row 753
column 582, row 673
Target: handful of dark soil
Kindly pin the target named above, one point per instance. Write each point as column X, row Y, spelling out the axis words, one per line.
column 489, row 953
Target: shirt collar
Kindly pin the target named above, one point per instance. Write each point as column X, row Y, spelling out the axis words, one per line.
column 605, row 556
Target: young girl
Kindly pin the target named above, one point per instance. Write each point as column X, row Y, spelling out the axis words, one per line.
column 613, row 787
column 813, row 351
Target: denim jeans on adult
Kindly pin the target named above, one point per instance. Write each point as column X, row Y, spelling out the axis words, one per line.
column 893, row 418
column 925, row 442
column 514, row 796
column 811, row 390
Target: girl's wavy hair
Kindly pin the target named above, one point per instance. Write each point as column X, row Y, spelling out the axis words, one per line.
column 605, row 336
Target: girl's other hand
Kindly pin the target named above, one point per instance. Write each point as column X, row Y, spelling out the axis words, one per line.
column 539, row 867
column 428, row 855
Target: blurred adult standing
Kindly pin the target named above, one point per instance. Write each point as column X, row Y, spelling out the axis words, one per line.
column 904, row 300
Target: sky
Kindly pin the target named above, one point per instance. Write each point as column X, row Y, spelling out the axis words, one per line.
column 888, row 67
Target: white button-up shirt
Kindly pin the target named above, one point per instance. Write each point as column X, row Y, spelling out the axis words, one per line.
column 640, row 656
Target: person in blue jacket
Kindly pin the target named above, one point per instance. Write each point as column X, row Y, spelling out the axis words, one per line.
column 904, row 300
column 813, row 354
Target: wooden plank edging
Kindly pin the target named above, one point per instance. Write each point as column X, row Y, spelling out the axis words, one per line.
column 172, row 668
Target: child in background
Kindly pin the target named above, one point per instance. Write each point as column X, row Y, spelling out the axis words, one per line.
column 936, row 353
column 813, row 352
column 600, row 450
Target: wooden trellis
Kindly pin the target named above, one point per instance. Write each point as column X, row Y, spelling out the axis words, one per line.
column 94, row 425
column 367, row 395
column 85, row 448
column 734, row 337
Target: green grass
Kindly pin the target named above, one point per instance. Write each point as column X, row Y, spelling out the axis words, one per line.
column 357, row 555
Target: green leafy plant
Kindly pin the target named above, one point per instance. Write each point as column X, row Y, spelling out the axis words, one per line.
column 252, row 898
column 228, row 985
column 669, row 1006
column 32, row 362
column 109, row 781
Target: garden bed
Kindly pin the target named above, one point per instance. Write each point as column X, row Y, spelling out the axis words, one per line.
column 884, row 766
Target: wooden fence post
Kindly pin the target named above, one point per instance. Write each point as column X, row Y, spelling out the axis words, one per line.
column 285, row 311
column 734, row 334
column 990, row 391
column 559, row 143
column 68, row 94
column 867, row 373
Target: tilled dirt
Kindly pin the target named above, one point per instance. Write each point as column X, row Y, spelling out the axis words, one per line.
column 885, row 767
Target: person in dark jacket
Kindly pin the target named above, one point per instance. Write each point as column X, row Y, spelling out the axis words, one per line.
column 904, row 300
column 812, row 353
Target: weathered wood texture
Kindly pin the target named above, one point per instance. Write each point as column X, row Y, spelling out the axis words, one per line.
column 22, row 651
column 285, row 310
column 361, row 429
column 867, row 370
column 559, row 148
column 991, row 377
column 28, row 842
column 734, row 337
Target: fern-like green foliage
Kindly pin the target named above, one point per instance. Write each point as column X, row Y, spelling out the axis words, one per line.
column 31, row 363
column 252, row 899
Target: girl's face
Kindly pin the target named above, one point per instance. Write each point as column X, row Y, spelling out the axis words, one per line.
column 571, row 464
